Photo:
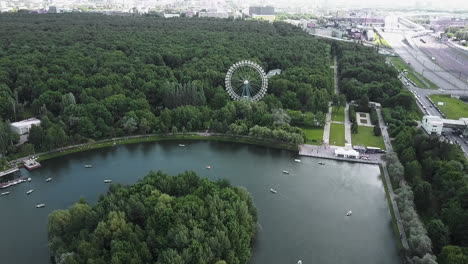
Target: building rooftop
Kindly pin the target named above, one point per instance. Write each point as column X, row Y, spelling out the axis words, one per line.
column 26, row 122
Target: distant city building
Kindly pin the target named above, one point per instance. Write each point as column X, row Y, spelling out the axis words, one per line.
column 270, row 18
column 22, row 127
column 171, row 15
column 261, row 11
column 213, row 13
column 53, row 9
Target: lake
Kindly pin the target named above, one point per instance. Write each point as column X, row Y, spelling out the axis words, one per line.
column 305, row 220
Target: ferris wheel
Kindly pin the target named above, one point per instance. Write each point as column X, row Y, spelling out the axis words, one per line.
column 246, row 80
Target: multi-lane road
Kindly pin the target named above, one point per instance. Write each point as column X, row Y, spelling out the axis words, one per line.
column 404, row 44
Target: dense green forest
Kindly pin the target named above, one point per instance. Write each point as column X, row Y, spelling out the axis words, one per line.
column 90, row 76
column 161, row 219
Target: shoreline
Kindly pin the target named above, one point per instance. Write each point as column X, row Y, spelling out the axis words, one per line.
column 155, row 138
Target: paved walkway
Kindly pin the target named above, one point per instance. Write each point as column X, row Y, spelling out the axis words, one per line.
column 347, row 124
column 384, row 129
column 326, row 128
column 335, row 75
column 396, row 211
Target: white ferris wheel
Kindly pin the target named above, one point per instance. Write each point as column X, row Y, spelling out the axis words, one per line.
column 246, row 80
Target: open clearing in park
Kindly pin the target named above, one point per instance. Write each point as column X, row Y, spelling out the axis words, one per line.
column 338, row 114
column 337, row 134
column 453, row 108
column 365, row 137
column 314, row 135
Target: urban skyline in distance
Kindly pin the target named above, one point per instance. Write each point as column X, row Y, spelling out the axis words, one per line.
column 291, row 5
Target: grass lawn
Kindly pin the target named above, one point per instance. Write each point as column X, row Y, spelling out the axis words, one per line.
column 337, row 134
column 365, row 137
column 314, row 135
column 453, row 108
column 401, row 65
column 338, row 114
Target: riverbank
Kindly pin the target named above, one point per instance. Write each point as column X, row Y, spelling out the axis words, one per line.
column 154, row 138
column 396, row 229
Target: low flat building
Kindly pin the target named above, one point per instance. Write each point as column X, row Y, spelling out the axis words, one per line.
column 346, row 152
column 23, row 127
column 273, row 73
column 435, row 124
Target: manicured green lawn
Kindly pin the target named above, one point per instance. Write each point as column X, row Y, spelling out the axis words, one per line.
column 338, row 114
column 365, row 137
column 337, row 134
column 314, row 135
column 401, row 65
column 453, row 108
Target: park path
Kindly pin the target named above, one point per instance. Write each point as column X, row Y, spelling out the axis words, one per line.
column 384, row 129
column 326, row 128
column 328, row 120
column 347, row 124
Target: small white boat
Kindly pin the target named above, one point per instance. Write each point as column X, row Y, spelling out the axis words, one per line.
column 181, row 145
column 297, row 160
column 299, row 262
column 107, row 181
column 29, row 179
column 286, row 172
column 88, row 166
column 349, row 213
column 273, row 191
column 40, row 205
column 30, row 191
column 5, row 193
column 48, row 179
column 208, row 167
column 321, row 163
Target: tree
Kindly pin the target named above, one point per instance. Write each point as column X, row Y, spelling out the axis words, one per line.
column 439, row 234
column 377, row 131
column 364, row 102
column 453, row 255
column 320, row 119
column 354, row 128
column 423, row 195
column 280, row 117
column 110, row 231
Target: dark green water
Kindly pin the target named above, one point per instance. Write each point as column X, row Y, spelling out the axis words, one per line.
column 305, row 220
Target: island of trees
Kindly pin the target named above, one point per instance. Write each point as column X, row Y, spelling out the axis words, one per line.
column 161, row 219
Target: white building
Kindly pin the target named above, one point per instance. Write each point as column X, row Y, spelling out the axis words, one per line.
column 22, row 127
column 214, row 14
column 435, row 124
column 346, row 152
column 273, row 73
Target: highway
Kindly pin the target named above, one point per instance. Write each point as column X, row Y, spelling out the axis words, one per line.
column 429, row 109
column 411, row 54
column 452, row 59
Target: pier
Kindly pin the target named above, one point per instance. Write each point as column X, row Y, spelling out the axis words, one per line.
column 12, row 170
column 328, row 152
